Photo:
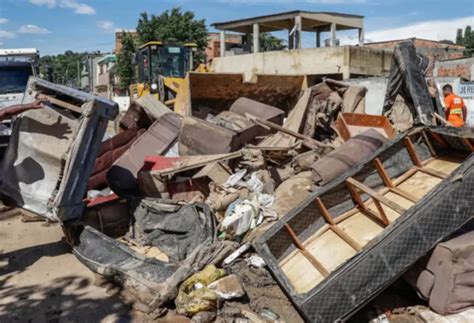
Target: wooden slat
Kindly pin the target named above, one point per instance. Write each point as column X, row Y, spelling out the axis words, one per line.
column 373, row 216
column 362, row 207
column 468, row 144
column 58, row 102
column 428, row 143
column 412, row 152
column 375, row 195
column 383, row 173
column 409, row 173
column 439, row 139
column 404, row 194
column 344, row 236
column 305, row 252
column 432, row 172
column 381, row 212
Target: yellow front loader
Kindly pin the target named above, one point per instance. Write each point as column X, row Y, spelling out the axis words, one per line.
column 161, row 69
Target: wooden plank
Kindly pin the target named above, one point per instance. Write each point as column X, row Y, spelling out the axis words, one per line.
column 60, row 103
column 362, row 207
column 439, row 139
column 306, row 139
column 327, row 216
column 468, row 144
column 428, row 143
column 412, row 152
column 330, row 249
column 419, row 184
column 446, row 165
column 305, row 252
column 432, row 172
column 391, row 214
column 383, row 173
column 300, row 272
column 381, row 212
column 404, row 194
column 409, row 173
column 361, row 228
column 375, row 195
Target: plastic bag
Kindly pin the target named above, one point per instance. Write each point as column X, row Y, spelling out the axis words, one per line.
column 194, row 296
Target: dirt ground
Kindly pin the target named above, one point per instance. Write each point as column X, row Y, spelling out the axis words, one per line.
column 41, row 281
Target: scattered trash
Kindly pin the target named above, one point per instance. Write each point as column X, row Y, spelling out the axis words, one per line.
column 195, row 296
column 228, row 287
column 230, row 259
column 256, row 261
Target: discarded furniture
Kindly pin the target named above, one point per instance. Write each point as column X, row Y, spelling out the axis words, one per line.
column 445, row 277
column 229, row 130
column 354, row 236
column 52, row 150
column 352, row 124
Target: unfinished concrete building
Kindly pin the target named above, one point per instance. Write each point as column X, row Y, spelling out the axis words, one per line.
column 338, row 62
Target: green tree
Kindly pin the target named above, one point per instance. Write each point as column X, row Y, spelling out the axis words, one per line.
column 467, row 39
column 459, row 37
column 66, row 67
column 268, row 42
column 125, row 68
column 173, row 26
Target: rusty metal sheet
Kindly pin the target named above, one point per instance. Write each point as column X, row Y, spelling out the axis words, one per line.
column 217, row 91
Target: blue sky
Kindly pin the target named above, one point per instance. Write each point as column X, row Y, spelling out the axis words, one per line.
column 54, row 26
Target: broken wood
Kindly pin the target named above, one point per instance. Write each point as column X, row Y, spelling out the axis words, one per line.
column 412, row 152
column 432, row 172
column 375, row 195
column 307, row 140
column 344, row 236
column 58, row 102
column 305, row 252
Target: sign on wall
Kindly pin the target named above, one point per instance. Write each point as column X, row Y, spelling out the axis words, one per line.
column 466, row 91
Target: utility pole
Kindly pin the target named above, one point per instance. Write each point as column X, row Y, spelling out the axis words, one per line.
column 78, row 85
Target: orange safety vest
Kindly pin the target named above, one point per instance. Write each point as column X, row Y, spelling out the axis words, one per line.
column 454, row 104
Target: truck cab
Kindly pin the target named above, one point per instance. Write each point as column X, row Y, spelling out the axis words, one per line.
column 16, row 66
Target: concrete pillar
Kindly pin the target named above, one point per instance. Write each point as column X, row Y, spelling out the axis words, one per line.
column 299, row 31
column 291, row 39
column 333, row 35
column 318, row 39
column 361, row 37
column 256, row 38
column 222, row 41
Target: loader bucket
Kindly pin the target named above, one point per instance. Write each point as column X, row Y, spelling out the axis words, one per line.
column 204, row 93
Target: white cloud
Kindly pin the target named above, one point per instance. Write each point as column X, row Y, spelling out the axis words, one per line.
column 78, row 7
column 33, row 29
column 106, row 25
column 432, row 29
column 47, row 3
column 3, row 20
column 6, row 34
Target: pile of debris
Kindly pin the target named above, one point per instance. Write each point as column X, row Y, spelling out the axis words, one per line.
column 176, row 206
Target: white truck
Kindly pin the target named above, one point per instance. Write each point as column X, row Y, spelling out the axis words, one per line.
column 16, row 66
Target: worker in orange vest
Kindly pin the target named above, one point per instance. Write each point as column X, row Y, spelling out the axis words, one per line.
column 455, row 108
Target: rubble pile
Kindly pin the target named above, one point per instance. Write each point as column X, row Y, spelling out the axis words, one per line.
column 192, row 191
column 190, row 212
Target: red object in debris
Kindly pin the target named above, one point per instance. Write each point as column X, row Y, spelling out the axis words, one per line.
column 101, row 200
column 160, row 162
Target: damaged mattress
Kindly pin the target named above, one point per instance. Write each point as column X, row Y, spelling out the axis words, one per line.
column 52, row 150
column 354, row 236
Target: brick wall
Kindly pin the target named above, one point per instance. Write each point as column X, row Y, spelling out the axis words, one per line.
column 463, row 68
column 433, row 49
